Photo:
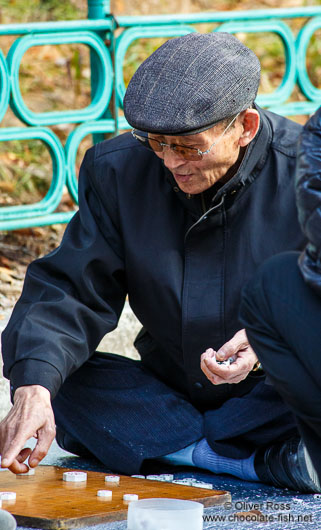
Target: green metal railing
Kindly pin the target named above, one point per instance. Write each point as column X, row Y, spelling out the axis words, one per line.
column 103, row 114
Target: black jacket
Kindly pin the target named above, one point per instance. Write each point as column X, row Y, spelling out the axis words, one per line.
column 308, row 193
column 183, row 269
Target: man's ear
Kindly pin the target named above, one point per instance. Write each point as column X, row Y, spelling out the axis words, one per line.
column 251, row 123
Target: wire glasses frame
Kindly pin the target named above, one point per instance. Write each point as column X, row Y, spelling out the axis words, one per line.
column 186, row 152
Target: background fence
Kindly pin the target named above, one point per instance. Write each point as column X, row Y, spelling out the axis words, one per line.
column 108, row 40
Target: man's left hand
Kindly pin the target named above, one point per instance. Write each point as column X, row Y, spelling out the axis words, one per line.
column 245, row 360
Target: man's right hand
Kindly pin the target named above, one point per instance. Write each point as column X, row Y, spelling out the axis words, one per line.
column 31, row 415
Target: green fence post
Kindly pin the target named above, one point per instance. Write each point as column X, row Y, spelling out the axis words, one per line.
column 98, row 8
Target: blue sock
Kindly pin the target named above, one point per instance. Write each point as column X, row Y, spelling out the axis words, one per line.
column 183, row 457
column 205, row 458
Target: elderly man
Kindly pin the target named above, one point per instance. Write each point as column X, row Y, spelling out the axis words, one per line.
column 179, row 227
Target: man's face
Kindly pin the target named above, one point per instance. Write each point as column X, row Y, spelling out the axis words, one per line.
column 197, row 176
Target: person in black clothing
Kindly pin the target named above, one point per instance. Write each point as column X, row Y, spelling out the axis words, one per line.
column 179, row 227
column 281, row 311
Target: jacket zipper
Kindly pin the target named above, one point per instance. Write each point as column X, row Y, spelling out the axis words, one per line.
column 205, row 215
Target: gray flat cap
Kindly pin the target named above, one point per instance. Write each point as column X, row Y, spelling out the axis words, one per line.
column 192, row 82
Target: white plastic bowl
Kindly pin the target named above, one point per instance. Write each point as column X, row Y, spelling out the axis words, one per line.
column 165, row 514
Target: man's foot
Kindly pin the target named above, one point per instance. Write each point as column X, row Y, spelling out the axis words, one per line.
column 287, row 465
column 205, row 458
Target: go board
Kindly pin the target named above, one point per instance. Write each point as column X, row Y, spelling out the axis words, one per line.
column 44, row 500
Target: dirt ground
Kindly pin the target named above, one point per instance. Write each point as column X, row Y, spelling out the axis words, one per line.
column 17, row 249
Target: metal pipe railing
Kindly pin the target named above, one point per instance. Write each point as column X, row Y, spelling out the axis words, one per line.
column 108, row 40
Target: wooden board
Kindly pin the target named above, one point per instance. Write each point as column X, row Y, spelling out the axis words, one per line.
column 45, row 501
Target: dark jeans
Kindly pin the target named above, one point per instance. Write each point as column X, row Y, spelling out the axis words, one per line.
column 282, row 316
column 120, row 412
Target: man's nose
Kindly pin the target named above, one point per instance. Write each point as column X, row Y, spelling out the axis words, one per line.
column 171, row 159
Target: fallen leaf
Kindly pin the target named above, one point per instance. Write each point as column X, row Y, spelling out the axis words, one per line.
column 5, row 262
column 7, row 187
column 5, row 275
column 255, row 515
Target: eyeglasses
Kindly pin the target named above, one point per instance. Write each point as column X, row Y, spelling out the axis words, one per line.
column 184, row 151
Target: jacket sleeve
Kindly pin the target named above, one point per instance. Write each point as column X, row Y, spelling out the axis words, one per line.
column 308, row 194
column 72, row 297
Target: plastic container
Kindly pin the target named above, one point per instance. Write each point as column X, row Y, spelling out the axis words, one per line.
column 165, row 514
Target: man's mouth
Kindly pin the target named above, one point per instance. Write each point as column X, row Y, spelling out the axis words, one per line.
column 181, row 178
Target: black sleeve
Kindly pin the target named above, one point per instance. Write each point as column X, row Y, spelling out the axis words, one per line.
column 72, row 297
column 308, row 195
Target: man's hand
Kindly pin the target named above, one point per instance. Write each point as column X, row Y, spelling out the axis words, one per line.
column 239, row 347
column 31, row 415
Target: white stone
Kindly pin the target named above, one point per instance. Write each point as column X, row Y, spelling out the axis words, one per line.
column 105, row 493
column 130, row 497
column 8, row 495
column 112, row 478
column 74, row 476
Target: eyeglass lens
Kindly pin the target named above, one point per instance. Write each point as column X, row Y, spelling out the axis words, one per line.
column 186, row 152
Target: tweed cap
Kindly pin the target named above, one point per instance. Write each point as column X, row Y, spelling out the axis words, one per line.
column 190, row 83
